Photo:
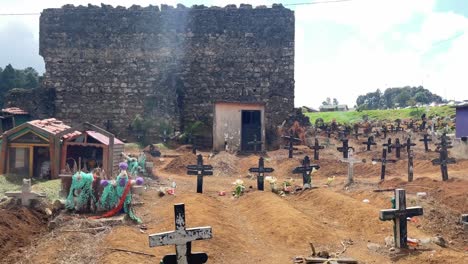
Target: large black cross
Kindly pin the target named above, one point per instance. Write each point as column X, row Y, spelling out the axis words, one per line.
column 182, row 239
column 443, row 161
column 384, row 162
column 408, row 145
column 306, row 170
column 255, row 143
column 399, row 216
column 290, row 146
column 344, row 149
column 200, row 170
column 410, row 165
column 261, row 171
column 389, row 145
column 426, row 139
column 316, row 147
column 397, row 147
column 369, row 143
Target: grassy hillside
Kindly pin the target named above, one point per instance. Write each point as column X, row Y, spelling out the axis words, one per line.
column 391, row 114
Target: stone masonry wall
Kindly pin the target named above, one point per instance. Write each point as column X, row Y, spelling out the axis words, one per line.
column 167, row 65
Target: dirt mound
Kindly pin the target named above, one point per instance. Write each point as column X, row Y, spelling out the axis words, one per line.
column 225, row 164
column 18, row 227
column 178, row 165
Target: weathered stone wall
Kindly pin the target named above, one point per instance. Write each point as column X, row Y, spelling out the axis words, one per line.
column 38, row 102
column 169, row 65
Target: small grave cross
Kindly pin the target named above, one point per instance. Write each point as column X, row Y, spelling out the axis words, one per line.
column 329, row 132
column 316, row 147
column 290, row 146
column 182, row 239
column 200, row 170
column 26, row 195
column 384, row 162
column 398, row 147
column 384, row 131
column 389, row 145
column 443, row 161
column 351, row 161
column 261, row 171
column 408, row 145
column 306, row 170
column 345, row 148
column 369, row 143
column 399, row 216
column 426, row 139
column 255, row 143
column 410, row 165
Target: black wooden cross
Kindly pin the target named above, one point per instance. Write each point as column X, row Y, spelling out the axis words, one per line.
column 316, row 147
column 426, row 139
column 389, row 145
column 399, row 216
column 344, row 149
column 408, row 145
column 398, row 147
column 410, row 125
column 255, row 143
column 200, row 170
column 290, row 146
column 306, row 170
column 369, row 143
column 445, row 143
column 384, row 131
column 398, row 126
column 392, row 128
column 384, row 162
column 443, row 161
column 329, row 132
column 261, row 171
column 182, row 239
column 410, row 165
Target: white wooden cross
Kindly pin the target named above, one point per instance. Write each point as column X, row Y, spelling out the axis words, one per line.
column 351, row 161
column 26, row 195
column 182, row 238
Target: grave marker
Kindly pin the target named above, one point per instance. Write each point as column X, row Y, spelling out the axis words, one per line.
column 182, row 239
column 410, row 165
column 398, row 147
column 443, row 161
column 426, row 139
column 408, row 145
column 290, row 146
column 200, row 170
column 345, row 148
column 351, row 161
column 399, row 215
column 26, row 195
column 316, row 147
column 306, row 171
column 384, row 131
column 384, row 162
column 389, row 145
column 261, row 171
column 369, row 143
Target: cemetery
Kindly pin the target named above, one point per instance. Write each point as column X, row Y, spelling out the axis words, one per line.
column 259, row 184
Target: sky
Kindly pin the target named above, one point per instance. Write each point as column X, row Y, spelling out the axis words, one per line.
column 342, row 49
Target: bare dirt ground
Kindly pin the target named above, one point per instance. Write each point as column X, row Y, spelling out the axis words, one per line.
column 263, row 227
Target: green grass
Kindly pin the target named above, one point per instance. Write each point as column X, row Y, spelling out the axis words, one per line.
column 13, row 183
column 389, row 115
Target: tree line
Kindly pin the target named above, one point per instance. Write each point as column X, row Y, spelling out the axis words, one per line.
column 11, row 78
column 396, row 97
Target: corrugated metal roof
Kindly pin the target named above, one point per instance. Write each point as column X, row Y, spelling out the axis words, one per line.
column 103, row 139
column 15, row 111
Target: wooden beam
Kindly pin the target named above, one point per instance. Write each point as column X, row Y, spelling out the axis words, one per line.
column 84, row 144
column 3, row 154
column 31, row 161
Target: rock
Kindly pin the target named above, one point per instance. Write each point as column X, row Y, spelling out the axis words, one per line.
column 323, row 254
column 391, row 249
column 421, row 194
column 373, row 247
column 4, row 198
column 439, row 240
column 389, row 241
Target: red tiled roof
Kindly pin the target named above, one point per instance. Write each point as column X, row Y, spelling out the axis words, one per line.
column 15, row 111
column 52, row 126
column 101, row 138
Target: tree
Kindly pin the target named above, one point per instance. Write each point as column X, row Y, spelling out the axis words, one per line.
column 327, row 101
column 12, row 78
column 335, row 102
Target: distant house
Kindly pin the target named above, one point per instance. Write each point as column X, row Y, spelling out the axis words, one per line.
column 12, row 117
column 333, row 108
column 461, row 121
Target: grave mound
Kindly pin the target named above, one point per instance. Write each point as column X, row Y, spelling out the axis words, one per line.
column 178, row 165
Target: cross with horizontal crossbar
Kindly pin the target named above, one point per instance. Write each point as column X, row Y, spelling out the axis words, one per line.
column 182, row 239
column 306, row 170
column 200, row 170
column 261, row 170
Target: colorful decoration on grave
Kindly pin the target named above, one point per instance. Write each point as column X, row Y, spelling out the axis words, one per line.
column 81, row 191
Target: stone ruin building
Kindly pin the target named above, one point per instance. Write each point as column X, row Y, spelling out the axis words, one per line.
column 231, row 68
